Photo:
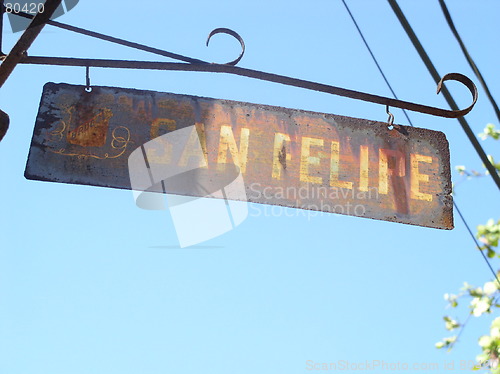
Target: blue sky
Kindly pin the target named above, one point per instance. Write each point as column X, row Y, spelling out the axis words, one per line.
column 89, row 283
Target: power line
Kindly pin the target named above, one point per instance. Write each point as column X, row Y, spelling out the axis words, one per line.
column 409, row 120
column 374, row 59
column 476, row 243
column 468, row 57
column 432, row 70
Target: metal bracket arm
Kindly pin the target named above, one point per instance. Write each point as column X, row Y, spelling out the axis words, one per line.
column 229, row 68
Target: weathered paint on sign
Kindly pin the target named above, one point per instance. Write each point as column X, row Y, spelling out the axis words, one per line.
column 287, row 157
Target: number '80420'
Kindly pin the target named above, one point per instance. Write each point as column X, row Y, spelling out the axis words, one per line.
column 31, row 8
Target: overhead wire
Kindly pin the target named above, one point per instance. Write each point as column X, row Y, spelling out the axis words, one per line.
column 432, row 70
column 468, row 57
column 477, row 244
column 451, row 102
column 374, row 59
column 411, row 124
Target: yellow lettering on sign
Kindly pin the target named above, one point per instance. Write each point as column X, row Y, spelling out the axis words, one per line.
column 125, row 100
column 280, row 155
column 140, row 109
column 158, row 123
column 416, row 177
column 334, row 168
column 397, row 168
column 363, row 168
column 227, row 142
column 163, row 157
column 196, row 139
column 306, row 159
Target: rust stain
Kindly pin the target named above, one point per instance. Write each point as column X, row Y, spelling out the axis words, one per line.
column 282, row 157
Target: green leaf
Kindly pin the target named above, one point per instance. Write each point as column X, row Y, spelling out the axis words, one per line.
column 490, row 131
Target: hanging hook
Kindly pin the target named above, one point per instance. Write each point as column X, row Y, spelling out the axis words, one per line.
column 222, row 30
column 88, row 88
column 390, row 120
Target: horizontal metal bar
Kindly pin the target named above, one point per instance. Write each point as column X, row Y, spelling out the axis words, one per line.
column 229, row 69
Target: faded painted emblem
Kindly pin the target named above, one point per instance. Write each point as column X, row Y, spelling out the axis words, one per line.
column 287, row 157
column 91, row 133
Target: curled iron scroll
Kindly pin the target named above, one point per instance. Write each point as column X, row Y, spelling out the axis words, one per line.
column 467, row 82
column 222, row 30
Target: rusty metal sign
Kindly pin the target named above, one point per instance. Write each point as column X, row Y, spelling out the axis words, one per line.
column 287, row 157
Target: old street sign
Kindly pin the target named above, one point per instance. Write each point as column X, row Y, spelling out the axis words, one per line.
column 286, row 157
